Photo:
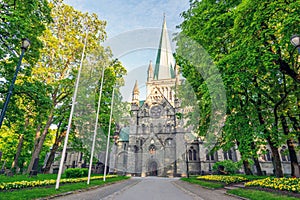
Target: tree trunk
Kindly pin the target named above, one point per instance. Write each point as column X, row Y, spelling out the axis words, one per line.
column 247, row 167
column 20, row 145
column 50, row 159
column 256, row 162
column 19, row 149
column 246, row 164
column 59, row 136
column 291, row 148
column 275, row 154
column 39, row 144
column 275, row 158
column 258, row 167
column 56, row 145
column 295, row 124
column 293, row 156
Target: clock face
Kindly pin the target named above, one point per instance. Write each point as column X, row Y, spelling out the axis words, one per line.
column 156, row 111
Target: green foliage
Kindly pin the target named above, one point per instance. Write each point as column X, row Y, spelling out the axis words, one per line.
column 76, row 172
column 259, row 195
column 230, row 166
column 21, row 19
column 248, row 41
column 207, row 184
column 44, row 88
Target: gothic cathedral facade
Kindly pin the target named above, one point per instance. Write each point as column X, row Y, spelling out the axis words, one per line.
column 155, row 143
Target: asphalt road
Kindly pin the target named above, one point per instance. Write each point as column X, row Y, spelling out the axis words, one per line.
column 150, row 188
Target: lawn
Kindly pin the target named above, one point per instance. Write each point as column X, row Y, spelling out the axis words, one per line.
column 219, row 181
column 40, row 192
column 208, row 184
column 259, row 195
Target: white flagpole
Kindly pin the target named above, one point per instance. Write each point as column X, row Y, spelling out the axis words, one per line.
column 71, row 115
column 108, row 136
column 96, row 125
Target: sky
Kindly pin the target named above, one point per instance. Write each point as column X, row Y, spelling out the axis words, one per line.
column 133, row 30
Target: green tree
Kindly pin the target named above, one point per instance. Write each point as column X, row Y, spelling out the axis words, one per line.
column 266, row 30
column 19, row 19
column 57, row 68
column 248, row 42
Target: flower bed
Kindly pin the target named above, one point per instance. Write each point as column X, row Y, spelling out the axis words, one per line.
column 25, row 184
column 284, row 184
column 223, row 178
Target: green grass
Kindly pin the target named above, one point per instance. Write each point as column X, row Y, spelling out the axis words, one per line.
column 40, row 192
column 5, row 179
column 259, row 195
column 208, row 184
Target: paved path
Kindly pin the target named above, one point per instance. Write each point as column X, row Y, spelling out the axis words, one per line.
column 151, row 188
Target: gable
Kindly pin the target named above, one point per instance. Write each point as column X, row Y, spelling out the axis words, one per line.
column 156, row 105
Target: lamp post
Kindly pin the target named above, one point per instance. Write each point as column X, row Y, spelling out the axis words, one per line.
column 295, row 40
column 24, row 47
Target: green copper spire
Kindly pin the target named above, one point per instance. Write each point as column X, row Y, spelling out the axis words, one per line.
column 164, row 66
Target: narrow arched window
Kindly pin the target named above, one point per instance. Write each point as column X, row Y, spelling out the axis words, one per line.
column 207, row 156
column 225, row 155
column 194, row 154
column 212, row 156
column 284, row 156
column 190, row 154
column 268, row 155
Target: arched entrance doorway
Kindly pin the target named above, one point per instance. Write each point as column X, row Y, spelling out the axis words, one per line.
column 152, row 168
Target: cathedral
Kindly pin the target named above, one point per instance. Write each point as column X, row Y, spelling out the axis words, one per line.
column 155, row 142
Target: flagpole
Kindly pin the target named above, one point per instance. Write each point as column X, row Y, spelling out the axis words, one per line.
column 96, row 126
column 71, row 115
column 108, row 136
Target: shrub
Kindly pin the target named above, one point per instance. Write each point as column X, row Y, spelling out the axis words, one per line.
column 229, row 166
column 288, row 184
column 76, row 172
column 223, row 178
